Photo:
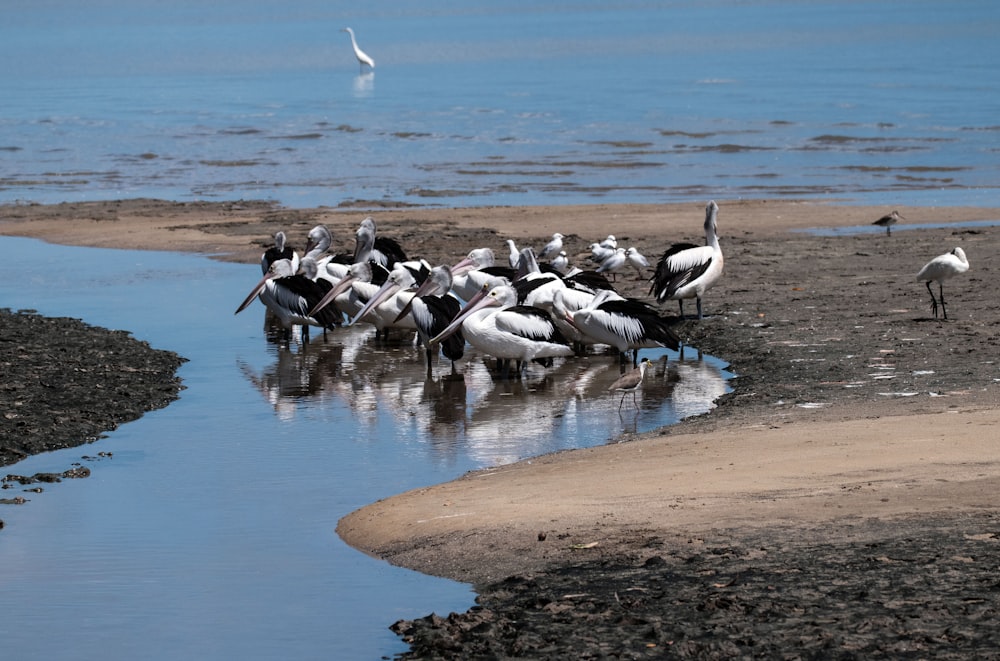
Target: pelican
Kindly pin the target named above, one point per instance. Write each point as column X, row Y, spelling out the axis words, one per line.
column 512, row 332
column 625, row 324
column 356, row 288
column 291, row 296
column 432, row 308
column 385, row 307
column 280, row 250
column 363, row 58
column 688, row 271
column 318, row 241
column 379, row 249
column 553, row 247
column 637, row 261
column 630, row 382
column 476, row 270
column 888, row 220
column 940, row 269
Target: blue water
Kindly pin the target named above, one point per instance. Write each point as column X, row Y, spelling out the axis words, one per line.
column 210, row 531
column 490, row 103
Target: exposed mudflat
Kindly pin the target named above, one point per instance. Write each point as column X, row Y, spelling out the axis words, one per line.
column 65, row 383
column 819, row 329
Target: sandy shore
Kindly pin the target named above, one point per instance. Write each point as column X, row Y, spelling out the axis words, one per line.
column 810, row 436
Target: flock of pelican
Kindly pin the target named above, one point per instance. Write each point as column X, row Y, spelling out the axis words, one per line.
column 526, row 311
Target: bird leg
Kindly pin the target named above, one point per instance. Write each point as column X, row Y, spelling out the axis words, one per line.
column 680, row 307
column 941, row 296
column 699, row 307
column 934, row 303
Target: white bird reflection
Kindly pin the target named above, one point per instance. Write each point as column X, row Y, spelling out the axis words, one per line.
column 364, row 85
column 470, row 416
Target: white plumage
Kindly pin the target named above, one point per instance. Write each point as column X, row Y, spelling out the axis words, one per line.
column 553, row 247
column 940, row 269
column 363, row 58
column 494, row 325
column 688, row 271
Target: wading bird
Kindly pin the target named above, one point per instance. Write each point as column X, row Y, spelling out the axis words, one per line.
column 688, row 271
column 888, row 220
column 495, row 325
column 630, row 382
column 363, row 59
column 280, row 250
column 432, row 308
column 291, row 296
column 940, row 269
column 626, row 324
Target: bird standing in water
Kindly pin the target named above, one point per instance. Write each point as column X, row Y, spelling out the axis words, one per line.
column 363, row 58
column 888, row 220
column 630, row 382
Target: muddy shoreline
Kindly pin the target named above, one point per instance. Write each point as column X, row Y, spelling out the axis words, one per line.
column 820, row 330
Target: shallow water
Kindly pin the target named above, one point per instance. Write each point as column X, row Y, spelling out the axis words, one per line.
column 210, row 530
column 488, row 103
column 849, row 230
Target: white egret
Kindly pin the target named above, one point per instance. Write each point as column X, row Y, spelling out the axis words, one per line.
column 363, row 58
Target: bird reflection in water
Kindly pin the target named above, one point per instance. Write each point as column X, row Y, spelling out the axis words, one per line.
column 471, row 413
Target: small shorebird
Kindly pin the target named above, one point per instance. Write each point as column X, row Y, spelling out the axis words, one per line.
column 888, row 220
column 688, row 271
column 637, row 261
column 940, row 269
column 553, row 247
column 630, row 382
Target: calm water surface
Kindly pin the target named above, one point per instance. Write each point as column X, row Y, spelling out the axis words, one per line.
column 490, row 103
column 210, row 531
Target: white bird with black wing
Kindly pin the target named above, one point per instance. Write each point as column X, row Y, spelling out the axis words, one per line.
column 688, row 271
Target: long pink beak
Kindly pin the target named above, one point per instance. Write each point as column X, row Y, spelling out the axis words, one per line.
column 476, row 303
column 463, row 267
column 337, row 290
column 426, row 287
column 255, row 292
column 387, row 290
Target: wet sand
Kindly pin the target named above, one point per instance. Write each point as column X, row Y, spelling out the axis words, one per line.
column 856, row 416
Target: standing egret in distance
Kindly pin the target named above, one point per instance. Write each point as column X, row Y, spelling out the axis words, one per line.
column 940, row 269
column 363, row 58
column 888, row 220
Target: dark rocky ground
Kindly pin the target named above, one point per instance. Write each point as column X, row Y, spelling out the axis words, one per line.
column 65, row 383
column 815, row 328
column 884, row 592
